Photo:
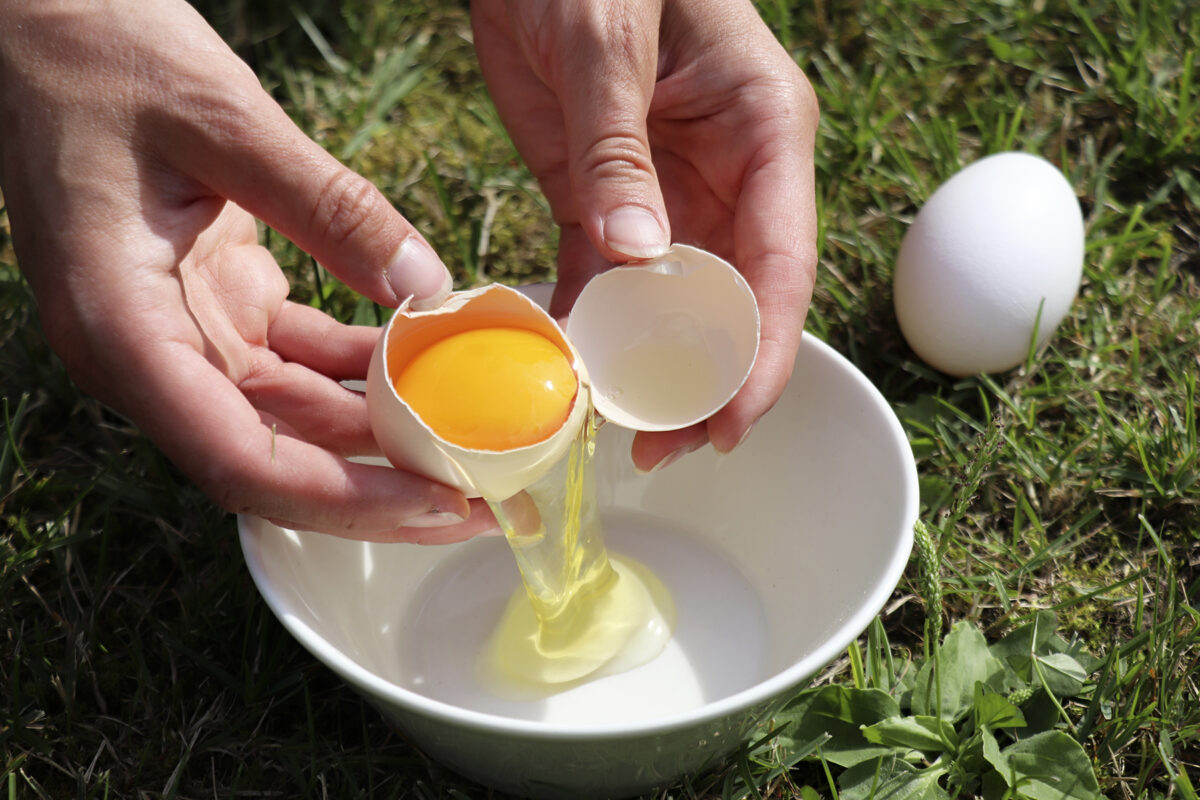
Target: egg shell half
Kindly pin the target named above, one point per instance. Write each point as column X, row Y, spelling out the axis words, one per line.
column 995, row 242
column 668, row 341
column 411, row 445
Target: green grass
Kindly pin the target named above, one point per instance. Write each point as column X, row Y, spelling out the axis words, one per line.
column 136, row 659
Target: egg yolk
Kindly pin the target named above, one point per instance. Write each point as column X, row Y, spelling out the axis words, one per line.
column 490, row 388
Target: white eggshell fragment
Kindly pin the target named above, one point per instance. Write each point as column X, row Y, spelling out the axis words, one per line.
column 667, row 342
column 1000, row 240
column 411, row 445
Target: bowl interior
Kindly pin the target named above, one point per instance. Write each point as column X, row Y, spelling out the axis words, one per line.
column 812, row 515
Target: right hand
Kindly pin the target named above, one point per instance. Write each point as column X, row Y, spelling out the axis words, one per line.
column 651, row 121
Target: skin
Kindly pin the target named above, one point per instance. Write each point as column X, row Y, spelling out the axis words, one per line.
column 137, row 153
column 689, row 111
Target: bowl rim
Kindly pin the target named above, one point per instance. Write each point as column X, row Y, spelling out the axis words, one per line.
column 760, row 693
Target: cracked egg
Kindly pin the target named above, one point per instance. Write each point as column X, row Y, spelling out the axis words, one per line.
column 486, row 392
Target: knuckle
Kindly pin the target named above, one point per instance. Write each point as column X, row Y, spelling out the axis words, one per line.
column 805, row 96
column 775, row 81
column 225, row 116
column 789, row 285
column 344, row 206
column 796, row 97
column 807, row 101
column 630, row 43
column 616, row 156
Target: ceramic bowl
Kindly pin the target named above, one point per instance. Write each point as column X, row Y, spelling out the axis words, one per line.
column 778, row 555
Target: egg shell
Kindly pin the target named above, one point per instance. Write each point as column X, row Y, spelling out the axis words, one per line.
column 995, row 242
column 690, row 321
column 411, row 445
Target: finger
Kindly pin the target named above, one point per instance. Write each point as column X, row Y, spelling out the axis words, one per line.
column 313, row 407
column 782, row 311
column 601, row 60
column 775, row 233
column 730, row 426
column 479, row 523
column 302, row 388
column 249, row 465
column 311, row 337
column 657, row 450
column 243, row 147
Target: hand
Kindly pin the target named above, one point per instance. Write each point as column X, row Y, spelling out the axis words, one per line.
column 135, row 154
column 652, row 119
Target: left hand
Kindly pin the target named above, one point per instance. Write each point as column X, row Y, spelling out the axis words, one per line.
column 657, row 120
column 136, row 150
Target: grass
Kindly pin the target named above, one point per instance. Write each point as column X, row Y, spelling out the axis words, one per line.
column 138, row 661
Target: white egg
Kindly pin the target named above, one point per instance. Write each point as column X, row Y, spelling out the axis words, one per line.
column 994, row 256
column 673, row 339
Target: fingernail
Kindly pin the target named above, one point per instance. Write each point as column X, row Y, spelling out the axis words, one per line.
column 745, row 436
column 433, row 519
column 674, row 456
column 417, row 272
column 635, row 232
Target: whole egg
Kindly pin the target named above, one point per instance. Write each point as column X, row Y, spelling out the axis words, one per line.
column 990, row 266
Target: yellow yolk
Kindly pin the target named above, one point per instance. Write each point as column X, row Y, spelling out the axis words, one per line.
column 490, row 388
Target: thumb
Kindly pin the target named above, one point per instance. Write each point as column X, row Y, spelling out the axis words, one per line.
column 601, row 61
column 259, row 159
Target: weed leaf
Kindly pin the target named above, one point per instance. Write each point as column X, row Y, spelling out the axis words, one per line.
column 1064, row 676
column 840, row 713
column 1035, row 653
column 891, row 778
column 945, row 685
column 927, row 734
column 991, row 751
column 1029, row 639
column 993, row 711
column 1047, row 766
column 1040, row 711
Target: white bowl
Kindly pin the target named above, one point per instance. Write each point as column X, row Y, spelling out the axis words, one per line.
column 779, row 555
